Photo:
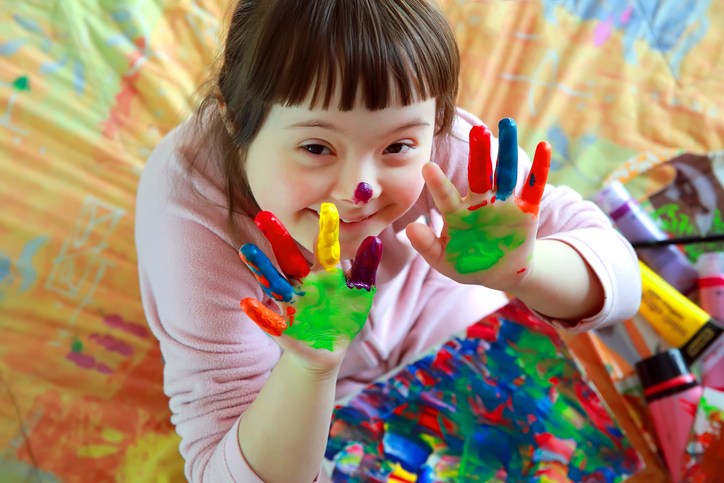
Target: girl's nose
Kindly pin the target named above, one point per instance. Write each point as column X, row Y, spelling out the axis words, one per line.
column 356, row 186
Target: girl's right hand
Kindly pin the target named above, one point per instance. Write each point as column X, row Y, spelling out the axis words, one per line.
column 322, row 310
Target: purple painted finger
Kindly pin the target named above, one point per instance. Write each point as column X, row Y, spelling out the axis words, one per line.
column 364, row 267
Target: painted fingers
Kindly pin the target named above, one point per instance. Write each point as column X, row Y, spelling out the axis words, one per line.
column 295, row 268
column 501, row 183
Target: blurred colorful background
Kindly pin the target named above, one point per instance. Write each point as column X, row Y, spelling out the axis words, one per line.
column 88, row 88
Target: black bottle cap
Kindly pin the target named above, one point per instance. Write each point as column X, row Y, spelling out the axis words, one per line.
column 661, row 367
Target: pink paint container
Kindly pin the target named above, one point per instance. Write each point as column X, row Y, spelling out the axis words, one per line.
column 672, row 393
column 710, row 267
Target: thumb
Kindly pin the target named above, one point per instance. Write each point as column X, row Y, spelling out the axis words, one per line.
column 424, row 240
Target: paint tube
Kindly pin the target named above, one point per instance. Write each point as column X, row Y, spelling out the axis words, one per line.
column 678, row 320
column 672, row 394
column 637, row 226
column 711, row 299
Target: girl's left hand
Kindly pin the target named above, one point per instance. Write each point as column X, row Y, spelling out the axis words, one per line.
column 489, row 235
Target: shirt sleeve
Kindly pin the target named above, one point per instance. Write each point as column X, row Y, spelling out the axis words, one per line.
column 564, row 216
column 216, row 360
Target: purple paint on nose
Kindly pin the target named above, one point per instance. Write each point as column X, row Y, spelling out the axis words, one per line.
column 363, row 193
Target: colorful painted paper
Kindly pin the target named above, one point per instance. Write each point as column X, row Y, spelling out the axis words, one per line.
column 702, row 462
column 504, row 402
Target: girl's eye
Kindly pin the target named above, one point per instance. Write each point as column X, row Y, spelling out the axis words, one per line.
column 317, row 149
column 398, row 148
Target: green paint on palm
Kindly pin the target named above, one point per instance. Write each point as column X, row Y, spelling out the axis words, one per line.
column 479, row 239
column 329, row 311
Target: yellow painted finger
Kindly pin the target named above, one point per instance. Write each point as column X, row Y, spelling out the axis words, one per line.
column 328, row 239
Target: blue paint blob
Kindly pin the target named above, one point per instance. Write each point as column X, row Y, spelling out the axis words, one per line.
column 410, row 454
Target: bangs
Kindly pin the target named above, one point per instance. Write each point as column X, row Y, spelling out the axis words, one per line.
column 372, row 52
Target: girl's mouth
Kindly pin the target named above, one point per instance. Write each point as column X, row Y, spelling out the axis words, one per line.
column 347, row 221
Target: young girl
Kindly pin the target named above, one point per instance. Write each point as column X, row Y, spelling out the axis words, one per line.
column 347, row 107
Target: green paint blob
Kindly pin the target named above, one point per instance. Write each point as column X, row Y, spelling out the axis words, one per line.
column 22, row 83
column 76, row 345
column 329, row 311
column 476, row 242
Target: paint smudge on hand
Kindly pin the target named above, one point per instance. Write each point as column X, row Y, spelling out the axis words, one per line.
column 329, row 311
column 477, row 241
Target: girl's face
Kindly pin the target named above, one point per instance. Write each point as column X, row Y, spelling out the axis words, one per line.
column 302, row 157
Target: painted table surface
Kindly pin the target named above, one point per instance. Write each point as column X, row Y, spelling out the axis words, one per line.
column 87, row 89
column 504, row 402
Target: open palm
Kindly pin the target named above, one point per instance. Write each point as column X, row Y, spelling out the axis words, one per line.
column 489, row 235
column 322, row 310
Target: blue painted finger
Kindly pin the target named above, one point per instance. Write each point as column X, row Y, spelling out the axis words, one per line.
column 506, row 171
column 271, row 281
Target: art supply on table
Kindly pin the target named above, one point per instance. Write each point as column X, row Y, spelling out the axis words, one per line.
column 710, row 267
column 638, row 226
column 678, row 320
column 701, row 463
column 672, row 393
column 632, row 340
column 506, row 401
column 680, row 240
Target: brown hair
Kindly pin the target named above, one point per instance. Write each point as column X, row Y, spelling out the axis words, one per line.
column 281, row 51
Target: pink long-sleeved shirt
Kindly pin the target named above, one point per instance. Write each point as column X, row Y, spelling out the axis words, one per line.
column 217, row 360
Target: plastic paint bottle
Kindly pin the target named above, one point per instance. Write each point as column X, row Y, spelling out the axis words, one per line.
column 678, row 320
column 637, row 226
column 672, row 393
column 711, row 299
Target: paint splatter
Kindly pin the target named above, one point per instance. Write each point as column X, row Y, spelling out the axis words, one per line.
column 117, row 322
column 86, row 361
column 502, row 404
column 111, row 343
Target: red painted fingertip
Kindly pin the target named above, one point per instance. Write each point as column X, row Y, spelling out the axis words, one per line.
column 269, row 321
column 532, row 192
column 290, row 259
column 480, row 164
